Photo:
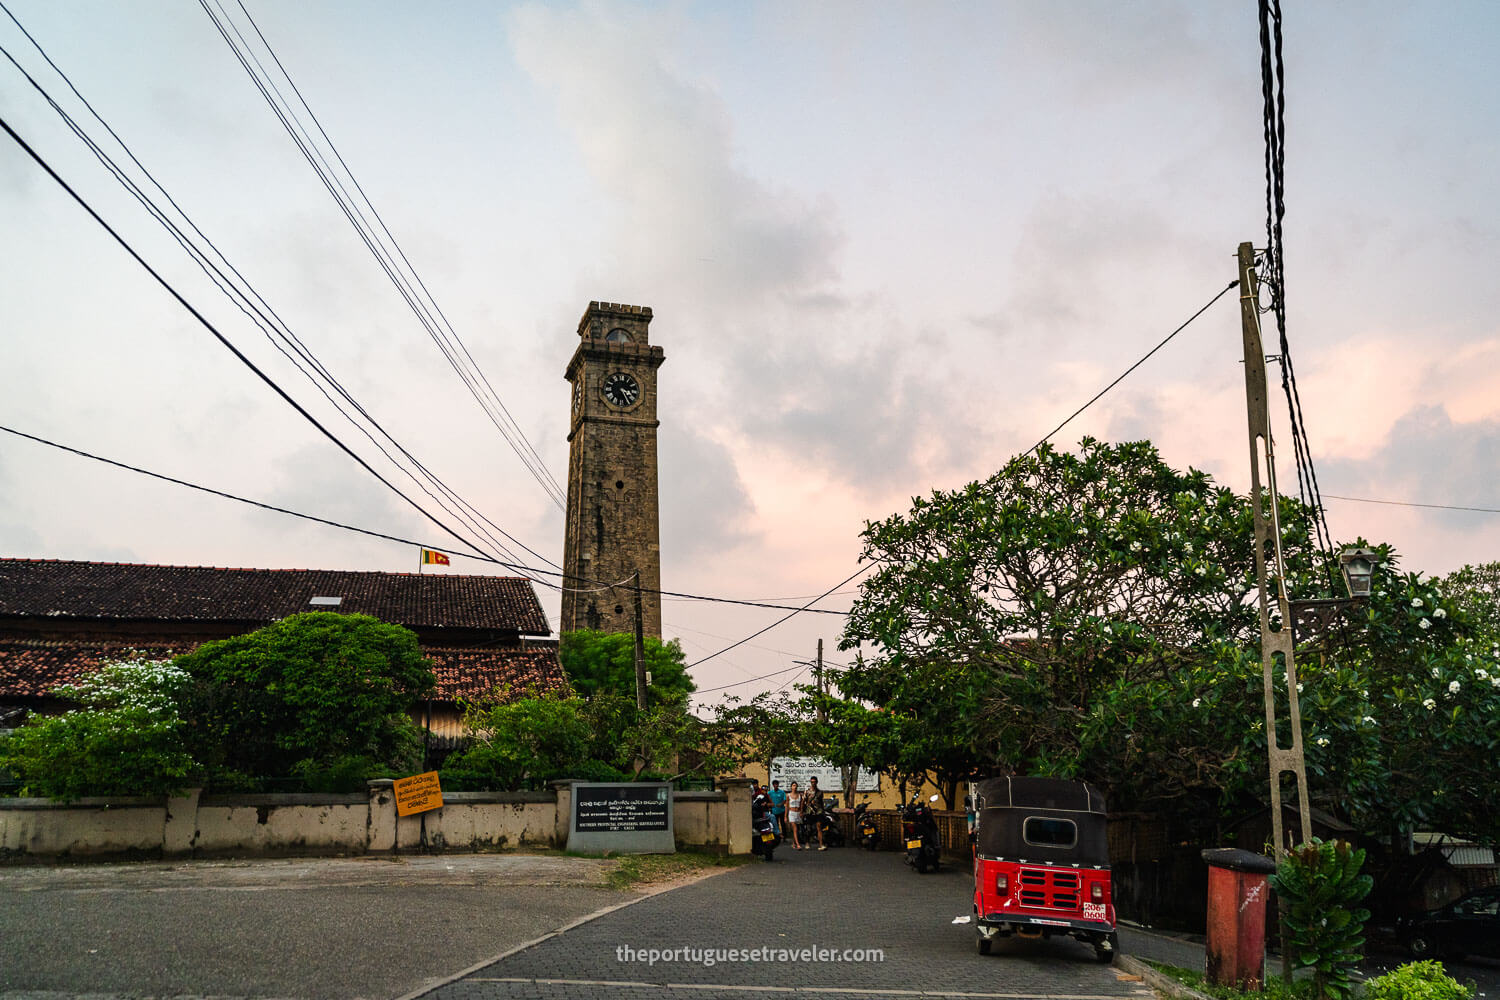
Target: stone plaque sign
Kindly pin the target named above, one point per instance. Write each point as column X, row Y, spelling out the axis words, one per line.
column 629, row 817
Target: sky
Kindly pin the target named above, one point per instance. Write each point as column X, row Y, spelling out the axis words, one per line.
column 887, row 246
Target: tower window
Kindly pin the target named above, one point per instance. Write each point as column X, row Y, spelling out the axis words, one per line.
column 617, row 336
column 619, row 484
column 619, row 609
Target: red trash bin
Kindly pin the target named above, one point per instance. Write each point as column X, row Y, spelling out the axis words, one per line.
column 1237, row 892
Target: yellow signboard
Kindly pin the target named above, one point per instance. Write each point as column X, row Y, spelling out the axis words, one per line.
column 418, row 794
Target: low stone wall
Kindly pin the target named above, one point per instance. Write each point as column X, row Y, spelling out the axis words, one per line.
column 197, row 825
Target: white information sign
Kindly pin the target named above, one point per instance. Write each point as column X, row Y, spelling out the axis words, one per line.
column 789, row 769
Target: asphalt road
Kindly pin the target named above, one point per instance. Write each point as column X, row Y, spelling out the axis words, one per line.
column 326, row 928
column 885, row 931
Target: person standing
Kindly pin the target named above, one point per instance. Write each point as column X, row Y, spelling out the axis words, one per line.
column 778, row 807
column 812, row 803
column 794, row 816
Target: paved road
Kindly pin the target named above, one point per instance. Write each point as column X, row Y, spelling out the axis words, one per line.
column 843, row 900
column 325, row 928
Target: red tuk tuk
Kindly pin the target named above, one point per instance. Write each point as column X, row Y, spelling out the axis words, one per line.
column 1041, row 863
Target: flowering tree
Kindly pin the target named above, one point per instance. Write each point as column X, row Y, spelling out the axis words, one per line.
column 1093, row 615
column 126, row 738
column 1065, row 605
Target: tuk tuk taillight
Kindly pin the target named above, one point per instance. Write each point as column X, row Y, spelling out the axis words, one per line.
column 1096, row 892
column 1002, row 883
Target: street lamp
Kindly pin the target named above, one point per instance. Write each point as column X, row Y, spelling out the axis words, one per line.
column 1359, row 570
column 1313, row 618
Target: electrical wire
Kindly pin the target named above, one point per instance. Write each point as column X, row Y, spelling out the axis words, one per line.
column 1407, row 503
column 387, row 251
column 223, row 340
column 1121, row 378
column 532, row 573
column 251, row 303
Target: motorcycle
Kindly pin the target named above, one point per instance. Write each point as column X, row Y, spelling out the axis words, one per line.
column 867, row 831
column 763, row 836
column 919, row 828
column 833, row 830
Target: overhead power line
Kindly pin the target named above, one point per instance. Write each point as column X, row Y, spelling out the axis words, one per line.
column 1100, row 394
column 377, row 237
column 532, row 573
column 1408, row 503
column 223, row 340
column 244, row 296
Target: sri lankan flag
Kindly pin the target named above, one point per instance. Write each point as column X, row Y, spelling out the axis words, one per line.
column 431, row 557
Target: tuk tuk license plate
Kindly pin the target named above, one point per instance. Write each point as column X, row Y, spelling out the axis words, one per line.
column 1093, row 911
column 912, row 845
column 768, row 837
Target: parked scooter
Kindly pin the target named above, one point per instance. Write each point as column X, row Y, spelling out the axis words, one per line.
column 919, row 828
column 763, row 836
column 865, row 828
column 833, row 830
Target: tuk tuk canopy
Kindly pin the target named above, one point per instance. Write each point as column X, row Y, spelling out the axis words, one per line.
column 1041, row 819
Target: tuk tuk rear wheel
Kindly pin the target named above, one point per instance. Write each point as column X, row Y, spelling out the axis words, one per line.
column 1105, row 952
column 981, row 941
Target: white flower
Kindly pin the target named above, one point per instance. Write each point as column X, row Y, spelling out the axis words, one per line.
column 1453, row 687
column 1429, row 704
column 1416, row 602
column 1200, row 571
column 1439, row 613
column 1135, row 546
column 1197, row 702
column 1495, row 681
column 1424, row 623
column 1365, row 695
column 1482, row 674
column 1322, row 741
column 1369, row 720
column 1299, row 687
column 1436, row 672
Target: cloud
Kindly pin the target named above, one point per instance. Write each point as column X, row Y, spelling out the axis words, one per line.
column 706, row 512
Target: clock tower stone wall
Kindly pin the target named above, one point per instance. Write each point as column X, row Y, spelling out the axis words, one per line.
column 612, row 520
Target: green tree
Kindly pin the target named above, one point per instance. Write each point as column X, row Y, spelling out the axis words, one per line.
column 127, row 738
column 767, row 726
column 310, row 691
column 604, row 662
column 524, row 742
column 1476, row 589
column 1024, row 611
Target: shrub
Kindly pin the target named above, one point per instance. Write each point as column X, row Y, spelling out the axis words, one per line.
column 1321, row 886
column 127, row 739
column 1417, row 981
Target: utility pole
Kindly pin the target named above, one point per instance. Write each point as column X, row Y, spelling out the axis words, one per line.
column 1270, row 565
column 640, row 649
column 818, row 674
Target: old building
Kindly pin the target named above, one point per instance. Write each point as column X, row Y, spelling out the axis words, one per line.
column 612, row 540
column 60, row 620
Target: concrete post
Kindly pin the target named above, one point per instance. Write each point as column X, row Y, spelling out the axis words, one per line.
column 381, row 831
column 180, row 829
column 564, row 824
column 737, row 820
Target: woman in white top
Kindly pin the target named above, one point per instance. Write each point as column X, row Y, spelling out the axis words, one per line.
column 794, row 814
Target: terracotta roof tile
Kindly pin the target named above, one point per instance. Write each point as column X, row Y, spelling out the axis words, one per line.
column 60, row 590
column 34, row 668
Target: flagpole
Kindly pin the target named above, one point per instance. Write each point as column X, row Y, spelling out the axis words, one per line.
column 420, row 553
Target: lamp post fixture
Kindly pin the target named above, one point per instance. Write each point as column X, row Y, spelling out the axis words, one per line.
column 1316, row 618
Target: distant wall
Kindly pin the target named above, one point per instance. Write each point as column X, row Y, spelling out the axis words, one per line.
column 195, row 825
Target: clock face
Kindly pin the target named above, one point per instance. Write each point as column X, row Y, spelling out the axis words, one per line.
column 621, row 390
column 577, row 396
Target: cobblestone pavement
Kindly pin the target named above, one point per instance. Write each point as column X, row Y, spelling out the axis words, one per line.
column 843, row 900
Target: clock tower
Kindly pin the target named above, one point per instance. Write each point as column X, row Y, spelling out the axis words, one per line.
column 613, row 527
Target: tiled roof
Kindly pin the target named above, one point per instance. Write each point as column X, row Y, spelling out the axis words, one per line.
column 33, row 668
column 59, row 590
column 470, row 674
